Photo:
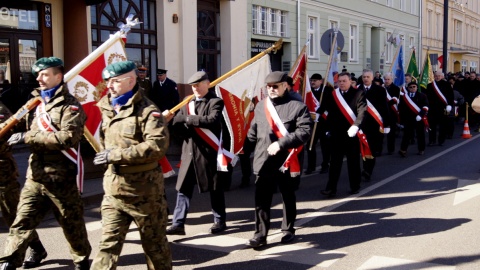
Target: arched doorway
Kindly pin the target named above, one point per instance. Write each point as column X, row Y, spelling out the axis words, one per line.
column 457, row 66
column 208, row 37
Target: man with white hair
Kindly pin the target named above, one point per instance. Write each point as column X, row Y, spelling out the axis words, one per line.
column 393, row 96
column 441, row 102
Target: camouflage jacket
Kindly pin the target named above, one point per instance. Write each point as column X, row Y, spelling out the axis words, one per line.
column 137, row 135
column 8, row 168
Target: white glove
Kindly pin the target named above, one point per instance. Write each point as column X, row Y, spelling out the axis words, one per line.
column 273, row 148
column 402, row 93
column 352, row 131
column 386, row 130
column 418, row 118
column 449, row 108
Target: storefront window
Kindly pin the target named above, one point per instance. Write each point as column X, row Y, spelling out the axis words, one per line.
column 19, row 17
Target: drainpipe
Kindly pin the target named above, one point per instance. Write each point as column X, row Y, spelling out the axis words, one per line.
column 420, row 43
column 298, row 27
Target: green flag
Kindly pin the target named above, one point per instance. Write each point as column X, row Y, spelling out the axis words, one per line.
column 412, row 66
column 427, row 75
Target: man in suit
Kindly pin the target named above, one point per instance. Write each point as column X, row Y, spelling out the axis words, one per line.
column 413, row 109
column 441, row 101
column 281, row 126
column 393, row 96
column 316, row 84
column 164, row 93
column 376, row 122
column 346, row 108
column 201, row 117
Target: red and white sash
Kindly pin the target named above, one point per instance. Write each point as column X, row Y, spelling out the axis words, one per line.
column 167, row 169
column 223, row 156
column 415, row 109
column 45, row 124
column 375, row 114
column 280, row 131
column 393, row 106
column 439, row 94
column 351, row 117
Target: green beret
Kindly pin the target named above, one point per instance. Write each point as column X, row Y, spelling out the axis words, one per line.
column 276, row 77
column 44, row 63
column 117, row 69
column 197, row 77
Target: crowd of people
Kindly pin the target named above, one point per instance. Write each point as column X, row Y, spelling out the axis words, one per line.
column 356, row 116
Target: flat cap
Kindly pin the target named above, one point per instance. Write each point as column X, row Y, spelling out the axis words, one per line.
column 197, row 77
column 117, row 69
column 276, row 77
column 412, row 83
column 161, row 71
column 316, row 76
column 142, row 68
column 46, row 62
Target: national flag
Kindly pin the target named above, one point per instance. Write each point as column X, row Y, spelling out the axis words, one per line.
column 427, row 73
column 440, row 60
column 412, row 68
column 397, row 69
column 302, row 84
column 240, row 93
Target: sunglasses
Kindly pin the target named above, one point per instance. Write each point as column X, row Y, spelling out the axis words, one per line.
column 274, row 86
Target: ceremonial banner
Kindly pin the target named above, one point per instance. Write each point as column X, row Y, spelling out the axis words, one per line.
column 397, row 68
column 332, row 75
column 427, row 73
column 412, row 66
column 240, row 93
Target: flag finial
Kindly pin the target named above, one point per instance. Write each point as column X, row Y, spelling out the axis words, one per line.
column 125, row 28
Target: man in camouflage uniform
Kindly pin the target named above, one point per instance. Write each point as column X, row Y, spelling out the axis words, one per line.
column 134, row 137
column 142, row 80
column 10, row 193
column 51, row 176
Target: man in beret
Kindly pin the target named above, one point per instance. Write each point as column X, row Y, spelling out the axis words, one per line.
column 135, row 138
column 164, row 93
column 275, row 155
column 142, row 80
column 55, row 126
column 200, row 119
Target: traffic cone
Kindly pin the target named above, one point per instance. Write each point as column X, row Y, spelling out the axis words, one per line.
column 466, row 131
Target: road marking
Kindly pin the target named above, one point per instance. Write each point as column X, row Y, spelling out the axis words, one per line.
column 466, row 190
column 306, row 254
column 379, row 262
column 221, row 243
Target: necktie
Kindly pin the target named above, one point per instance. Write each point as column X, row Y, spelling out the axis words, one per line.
column 367, row 88
column 411, row 95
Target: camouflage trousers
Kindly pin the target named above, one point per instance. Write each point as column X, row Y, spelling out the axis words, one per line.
column 36, row 199
column 149, row 214
column 9, row 197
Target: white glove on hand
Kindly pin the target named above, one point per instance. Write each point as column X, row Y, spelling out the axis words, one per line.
column 449, row 108
column 386, row 130
column 16, row 138
column 352, row 131
column 418, row 118
column 273, row 148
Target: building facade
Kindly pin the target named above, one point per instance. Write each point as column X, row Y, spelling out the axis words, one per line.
column 463, row 33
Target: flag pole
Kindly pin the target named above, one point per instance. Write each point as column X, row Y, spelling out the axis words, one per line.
column 323, row 87
column 395, row 58
column 276, row 46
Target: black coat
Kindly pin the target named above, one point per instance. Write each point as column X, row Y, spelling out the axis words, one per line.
column 407, row 116
column 377, row 95
column 437, row 107
column 393, row 91
column 296, row 119
column 165, row 96
column 195, row 151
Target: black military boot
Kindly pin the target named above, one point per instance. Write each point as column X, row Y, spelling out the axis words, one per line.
column 83, row 265
column 34, row 259
column 7, row 266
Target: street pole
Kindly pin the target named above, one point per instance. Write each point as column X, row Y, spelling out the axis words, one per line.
column 445, row 37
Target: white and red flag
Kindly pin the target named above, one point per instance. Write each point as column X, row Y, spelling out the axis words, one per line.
column 240, row 93
column 301, row 83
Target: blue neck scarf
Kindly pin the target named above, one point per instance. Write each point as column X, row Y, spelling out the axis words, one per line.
column 48, row 94
column 122, row 100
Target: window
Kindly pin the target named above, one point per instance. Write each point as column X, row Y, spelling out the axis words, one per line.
column 333, row 24
column 429, row 24
column 458, row 31
column 464, row 65
column 412, row 42
column 439, row 23
column 413, row 7
column 390, row 49
column 141, row 42
column 269, row 21
column 389, row 3
column 402, row 5
column 353, row 57
column 473, row 66
column 312, row 35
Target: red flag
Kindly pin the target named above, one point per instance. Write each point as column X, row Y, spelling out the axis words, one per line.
column 85, row 83
column 302, row 84
column 440, row 60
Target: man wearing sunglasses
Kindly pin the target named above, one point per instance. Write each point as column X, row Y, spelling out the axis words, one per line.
column 281, row 126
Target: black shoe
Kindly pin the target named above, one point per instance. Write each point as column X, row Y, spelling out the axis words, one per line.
column 403, row 153
column 366, row 176
column 329, row 193
column 420, row 153
column 431, row 144
column 287, row 237
column 7, row 266
column 356, row 191
column 34, row 259
column 175, row 230
column 257, row 242
column 83, row 265
column 244, row 184
column 218, row 227
column 324, row 170
column 307, row 172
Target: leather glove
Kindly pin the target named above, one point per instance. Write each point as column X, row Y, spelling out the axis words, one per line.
column 449, row 108
column 101, row 157
column 16, row 138
column 352, row 131
column 418, row 118
column 386, row 130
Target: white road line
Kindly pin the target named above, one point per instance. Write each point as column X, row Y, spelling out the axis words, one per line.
column 379, row 262
column 466, row 190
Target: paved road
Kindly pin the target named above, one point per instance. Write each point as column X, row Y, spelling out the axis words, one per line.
column 419, row 212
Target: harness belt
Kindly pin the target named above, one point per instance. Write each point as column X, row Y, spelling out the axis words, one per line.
column 120, row 169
